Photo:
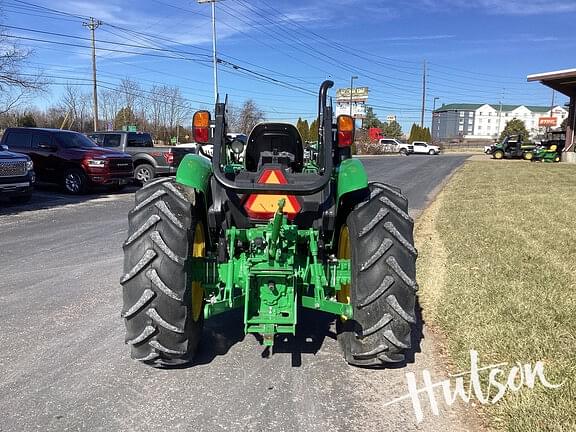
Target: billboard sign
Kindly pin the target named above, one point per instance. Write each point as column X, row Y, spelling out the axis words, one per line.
column 358, row 109
column 548, row 121
column 358, row 93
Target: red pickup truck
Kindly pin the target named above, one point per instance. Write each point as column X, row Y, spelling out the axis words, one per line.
column 70, row 158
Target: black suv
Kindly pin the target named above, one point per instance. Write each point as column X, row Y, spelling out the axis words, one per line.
column 70, row 158
column 16, row 176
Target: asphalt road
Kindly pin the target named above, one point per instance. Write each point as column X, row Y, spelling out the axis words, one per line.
column 64, row 365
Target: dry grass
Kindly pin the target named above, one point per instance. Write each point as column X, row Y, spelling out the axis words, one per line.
column 497, row 271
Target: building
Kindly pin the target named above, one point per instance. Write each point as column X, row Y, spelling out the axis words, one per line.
column 563, row 81
column 487, row 121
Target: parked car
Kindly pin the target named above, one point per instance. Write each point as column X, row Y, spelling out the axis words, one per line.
column 16, row 176
column 402, row 148
column 149, row 161
column 70, row 158
column 422, row 147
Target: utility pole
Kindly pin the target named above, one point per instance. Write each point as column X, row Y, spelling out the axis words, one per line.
column 423, row 95
column 214, row 57
column 551, row 107
column 500, row 114
column 352, row 78
column 93, row 25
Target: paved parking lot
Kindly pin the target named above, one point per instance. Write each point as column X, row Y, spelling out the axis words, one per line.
column 65, row 366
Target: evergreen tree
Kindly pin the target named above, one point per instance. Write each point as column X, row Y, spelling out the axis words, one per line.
column 413, row 133
column 392, row 130
column 313, row 132
column 27, row 120
column 124, row 117
column 306, row 131
column 515, row 127
column 371, row 121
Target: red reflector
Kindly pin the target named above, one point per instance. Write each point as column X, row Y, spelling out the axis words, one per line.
column 344, row 138
column 169, row 156
column 201, row 135
column 260, row 206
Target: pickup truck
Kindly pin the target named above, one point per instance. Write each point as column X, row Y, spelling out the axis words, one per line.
column 16, row 176
column 397, row 146
column 422, row 147
column 149, row 161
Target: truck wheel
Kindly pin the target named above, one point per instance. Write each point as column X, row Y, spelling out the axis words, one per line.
column 431, row 152
column 75, row 181
column 403, row 152
column 144, row 173
column 377, row 237
column 162, row 304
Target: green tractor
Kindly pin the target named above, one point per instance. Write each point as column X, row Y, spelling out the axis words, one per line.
column 512, row 147
column 271, row 236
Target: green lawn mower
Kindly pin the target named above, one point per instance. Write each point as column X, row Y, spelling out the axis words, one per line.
column 271, row 235
column 512, row 147
column 550, row 148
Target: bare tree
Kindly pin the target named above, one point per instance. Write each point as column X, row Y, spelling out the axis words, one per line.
column 130, row 93
column 110, row 105
column 250, row 115
column 15, row 85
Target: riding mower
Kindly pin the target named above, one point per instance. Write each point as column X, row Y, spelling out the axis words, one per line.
column 270, row 236
column 512, row 147
column 550, row 148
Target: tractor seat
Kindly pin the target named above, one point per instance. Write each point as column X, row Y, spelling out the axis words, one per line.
column 274, row 139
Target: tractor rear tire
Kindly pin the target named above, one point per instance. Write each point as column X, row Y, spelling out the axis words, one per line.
column 383, row 286
column 162, row 309
column 528, row 156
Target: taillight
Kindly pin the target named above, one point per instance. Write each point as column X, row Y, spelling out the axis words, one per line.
column 345, row 125
column 169, row 157
column 201, row 127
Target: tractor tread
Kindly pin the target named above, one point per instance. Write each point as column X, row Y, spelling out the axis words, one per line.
column 397, row 209
column 151, row 183
column 152, row 220
column 155, row 278
column 394, row 231
column 384, row 246
column 151, row 198
column 146, row 296
column 391, row 261
column 377, row 218
column 386, row 318
column 146, row 333
column 159, row 241
column 161, row 205
column 383, row 286
column 156, row 284
column 389, row 334
column 160, row 347
column 148, row 256
column 380, row 348
column 152, row 313
column 392, row 301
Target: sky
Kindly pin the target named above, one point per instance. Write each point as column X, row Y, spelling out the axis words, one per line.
column 278, row 52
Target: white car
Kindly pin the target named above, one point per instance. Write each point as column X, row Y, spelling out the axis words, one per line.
column 422, row 147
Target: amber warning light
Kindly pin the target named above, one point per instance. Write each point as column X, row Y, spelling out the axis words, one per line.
column 264, row 206
column 201, row 127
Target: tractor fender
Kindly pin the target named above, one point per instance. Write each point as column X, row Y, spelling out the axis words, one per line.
column 194, row 171
column 351, row 177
